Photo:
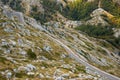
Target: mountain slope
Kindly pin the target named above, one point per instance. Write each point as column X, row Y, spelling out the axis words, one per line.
column 29, row 50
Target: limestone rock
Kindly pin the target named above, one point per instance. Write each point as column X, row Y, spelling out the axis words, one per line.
column 31, row 67
column 41, row 75
column 22, row 52
column 116, row 32
column 73, row 24
column 8, row 29
column 98, row 21
column 33, row 23
column 97, row 18
column 12, row 14
column 31, row 73
column 47, row 48
column 27, row 68
column 8, row 74
column 59, row 78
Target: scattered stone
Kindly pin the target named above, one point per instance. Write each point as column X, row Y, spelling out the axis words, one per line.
column 7, row 51
column 31, row 67
column 20, row 42
column 116, row 32
column 65, row 75
column 42, row 67
column 63, row 56
column 66, row 66
column 89, row 77
column 12, row 43
column 43, row 58
column 27, row 68
column 47, row 48
column 73, row 24
column 8, row 75
column 22, row 52
column 41, row 75
column 27, row 32
column 8, row 29
column 59, row 78
column 31, row 73
column 4, row 42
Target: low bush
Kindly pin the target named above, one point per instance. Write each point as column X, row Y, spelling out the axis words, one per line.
column 31, row 54
column 115, row 42
column 96, row 31
column 111, row 7
column 80, row 9
column 14, row 4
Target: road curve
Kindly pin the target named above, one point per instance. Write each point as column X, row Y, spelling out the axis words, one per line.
column 77, row 58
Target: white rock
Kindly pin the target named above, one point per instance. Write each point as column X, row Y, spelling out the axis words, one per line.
column 8, row 29
column 63, row 56
column 31, row 73
column 95, row 78
column 31, row 67
column 65, row 75
column 89, row 77
column 22, row 52
column 41, row 75
column 20, row 42
column 42, row 67
column 8, row 75
column 4, row 42
column 47, row 48
column 27, row 68
column 12, row 42
column 59, row 78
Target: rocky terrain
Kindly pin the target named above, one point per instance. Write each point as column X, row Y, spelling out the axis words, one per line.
column 38, row 42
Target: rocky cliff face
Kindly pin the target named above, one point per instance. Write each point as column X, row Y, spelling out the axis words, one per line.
column 28, row 49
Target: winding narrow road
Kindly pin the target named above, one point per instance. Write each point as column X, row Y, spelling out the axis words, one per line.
column 77, row 58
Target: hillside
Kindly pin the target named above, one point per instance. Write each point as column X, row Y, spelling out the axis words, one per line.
column 59, row 40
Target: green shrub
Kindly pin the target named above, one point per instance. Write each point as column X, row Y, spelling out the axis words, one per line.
column 80, row 9
column 14, row 4
column 115, row 42
column 20, row 75
column 100, row 32
column 96, row 31
column 31, row 54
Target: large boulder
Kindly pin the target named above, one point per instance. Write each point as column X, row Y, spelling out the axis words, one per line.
column 98, row 17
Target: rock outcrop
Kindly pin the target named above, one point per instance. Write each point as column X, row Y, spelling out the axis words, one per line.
column 13, row 14
column 29, row 4
column 97, row 17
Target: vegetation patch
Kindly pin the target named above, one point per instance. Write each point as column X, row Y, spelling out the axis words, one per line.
column 80, row 9
column 111, row 7
column 14, row 4
column 31, row 54
column 96, row 31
